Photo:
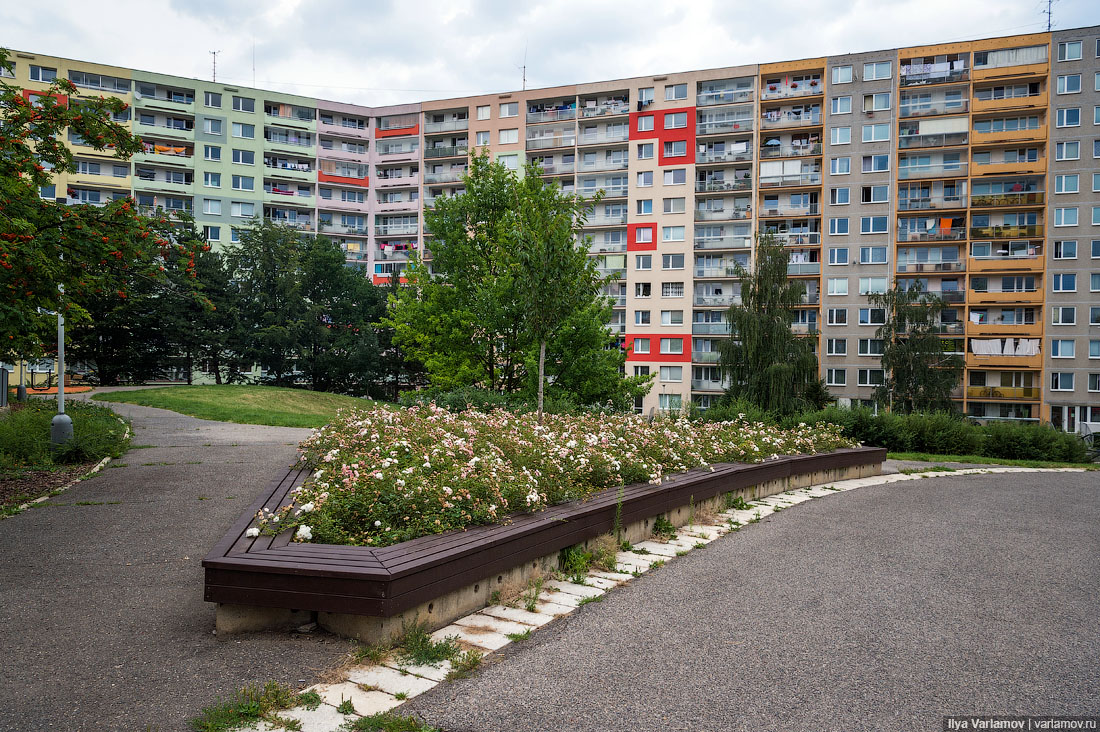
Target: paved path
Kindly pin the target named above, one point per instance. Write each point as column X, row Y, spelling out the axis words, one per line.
column 104, row 622
column 881, row 608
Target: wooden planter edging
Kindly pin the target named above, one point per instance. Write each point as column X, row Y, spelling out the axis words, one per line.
column 272, row 572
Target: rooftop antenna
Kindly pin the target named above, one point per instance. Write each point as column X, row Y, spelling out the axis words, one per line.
column 525, row 66
column 215, row 55
column 1049, row 12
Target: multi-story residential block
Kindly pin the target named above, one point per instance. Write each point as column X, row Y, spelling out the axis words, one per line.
column 968, row 168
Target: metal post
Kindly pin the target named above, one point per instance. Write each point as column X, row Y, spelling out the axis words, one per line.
column 61, row 426
column 21, row 390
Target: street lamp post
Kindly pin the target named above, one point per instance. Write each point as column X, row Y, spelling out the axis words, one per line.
column 61, row 426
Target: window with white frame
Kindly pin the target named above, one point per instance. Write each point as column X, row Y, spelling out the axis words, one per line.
column 838, row 285
column 675, row 92
column 838, row 255
column 1068, row 117
column 1070, row 50
column 839, row 196
column 842, row 74
column 242, row 130
column 836, row 346
column 672, row 289
column 1065, row 250
column 481, row 138
column 1063, row 348
column 872, row 285
column 873, row 224
column 212, row 126
column 212, row 207
column 676, row 149
column 870, row 346
column 509, row 137
column 509, row 109
column 641, row 317
column 645, row 179
column 243, row 209
column 676, row 120
column 675, row 205
column 643, row 289
column 645, row 151
column 1067, row 183
column 840, row 166
column 645, row 123
column 672, row 317
column 644, row 261
column 1064, row 282
column 676, row 177
column 837, row 316
column 838, row 226
column 672, row 261
column 212, row 180
column 836, row 377
column 672, row 233
column 672, row 345
column 1069, row 84
column 244, row 183
column 1065, row 216
column 876, row 132
column 877, row 70
column 672, row 373
column 644, row 206
column 1063, row 315
column 840, row 105
column 872, row 377
column 1067, row 150
column 872, row 255
column 483, row 112
column 840, row 135
column 1061, row 381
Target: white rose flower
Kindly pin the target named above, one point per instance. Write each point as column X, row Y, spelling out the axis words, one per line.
column 304, row 533
column 377, row 524
column 307, row 507
column 252, row 533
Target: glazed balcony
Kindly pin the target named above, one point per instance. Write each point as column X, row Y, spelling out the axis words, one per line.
column 607, row 247
column 450, row 125
column 397, row 181
column 789, row 151
column 1011, row 297
column 728, row 241
column 1002, row 327
column 724, row 156
column 784, row 120
column 343, row 130
column 1016, row 167
column 616, row 191
column 1030, row 393
column 401, row 229
column 552, row 115
column 1023, row 231
column 1030, row 134
column 717, row 185
column 552, row 168
column 804, row 328
column 606, row 219
column 596, row 166
column 719, row 329
column 1007, row 264
column 801, row 269
column 603, row 137
column 618, row 273
column 930, row 267
column 787, row 210
column 940, row 139
column 925, row 74
column 996, row 200
column 933, row 170
column 551, row 141
column 931, row 203
column 446, row 151
column 708, row 384
column 724, row 269
column 936, row 233
column 733, row 213
column 932, row 108
column 794, row 180
column 799, row 239
column 606, row 109
column 770, row 92
column 704, row 356
column 723, row 96
column 723, row 126
column 1006, row 73
column 448, row 176
column 1021, row 103
column 347, row 229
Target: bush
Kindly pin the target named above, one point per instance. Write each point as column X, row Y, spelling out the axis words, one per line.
column 25, row 434
column 483, row 400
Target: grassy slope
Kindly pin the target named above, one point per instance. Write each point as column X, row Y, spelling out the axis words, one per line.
column 266, row 405
column 980, row 460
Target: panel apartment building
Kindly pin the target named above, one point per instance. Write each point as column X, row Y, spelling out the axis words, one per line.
column 969, row 167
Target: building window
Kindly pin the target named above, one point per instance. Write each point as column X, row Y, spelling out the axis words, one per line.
column 641, row 317
column 1063, row 315
column 840, row 135
column 674, row 205
column 838, row 226
column 212, row 99
column 645, row 95
column 672, row 233
column 838, row 285
column 242, row 130
column 872, row 285
column 672, row 261
column 641, row 345
column 244, row 157
column 877, row 70
column 645, row 179
column 643, row 235
column 1067, row 150
column 876, row 133
column 1065, row 216
column 872, row 255
column 1071, row 50
column 672, row 345
column 836, row 377
column 1068, row 117
column 645, row 151
column 1094, row 382
column 43, row 74
column 509, row 137
column 481, row 138
column 243, row 209
column 836, row 346
column 672, row 289
column 676, row 121
column 872, row 377
column 212, row 180
column 839, row 196
column 870, row 346
column 1069, row 84
column 1063, row 348
column 244, row 104
column 675, row 92
column 840, row 166
column 879, row 102
column 483, row 112
column 875, row 194
column 876, row 163
column 509, row 109
column 511, row 162
column 211, row 207
column 645, row 123
column 672, row 317
column 842, row 74
column 676, row 177
column 873, row 225
column 244, row 183
column 1065, row 282
column 671, row 402
column 212, row 152
column 672, row 373
column 1066, row 183
column 872, row 316
column 1061, row 381
column 838, row 316
column 1065, row 250
column 643, row 261
column 676, row 149
column 645, row 206
column 841, row 105
column 212, row 126
column 212, row 233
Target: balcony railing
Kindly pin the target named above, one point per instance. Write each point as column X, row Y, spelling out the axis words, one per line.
column 725, row 270
column 617, row 327
column 949, row 296
column 723, row 96
column 723, row 214
column 1002, row 392
column 710, row 329
column 707, row 384
column 774, row 209
column 790, row 151
column 795, row 179
column 704, row 356
column 804, row 268
column 552, row 115
column 1008, row 257
column 451, row 125
column 940, row 139
column 804, row 328
column 397, row 149
column 608, row 191
column 292, row 223
column 596, row 138
column 397, row 180
column 932, row 170
column 719, row 126
column 723, row 242
column 604, row 110
column 918, row 74
column 789, row 119
column 291, row 167
column 810, row 298
column 927, row 109
column 558, row 168
column 595, row 166
column 449, row 176
column 606, row 219
column 178, row 151
column 446, row 151
column 936, row 233
column 911, row 267
column 1026, row 231
column 542, row 143
column 714, row 186
column 607, row 247
column 727, row 156
column 931, row 203
column 303, row 118
column 1033, row 198
column 797, row 89
column 344, row 228
column 614, row 272
column 801, row 239
column 396, row 229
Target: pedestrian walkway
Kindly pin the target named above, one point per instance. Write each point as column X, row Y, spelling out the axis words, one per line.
column 101, row 595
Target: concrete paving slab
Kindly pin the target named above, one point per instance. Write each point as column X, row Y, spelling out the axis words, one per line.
column 436, row 672
column 390, row 680
column 572, row 588
column 495, row 624
column 518, row 615
column 483, row 639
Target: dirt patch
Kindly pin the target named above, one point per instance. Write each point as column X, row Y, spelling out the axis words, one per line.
column 19, row 486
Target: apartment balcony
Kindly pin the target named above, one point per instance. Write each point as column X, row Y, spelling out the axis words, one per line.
column 931, row 203
column 787, row 210
column 606, row 220
column 607, row 247
column 1030, row 264
column 558, row 168
column 283, row 196
column 706, row 158
column 551, row 141
column 725, row 271
column 1031, row 134
column 297, row 172
column 446, row 151
column 940, row 139
column 140, row 183
column 618, row 273
column 170, row 132
column 804, row 328
column 413, row 151
column 449, row 176
column 795, row 180
column 1026, row 231
column 1005, row 328
column 719, row 329
column 930, row 109
column 450, row 125
column 552, row 115
column 289, row 120
column 608, row 191
column 1021, row 103
column 394, row 256
column 723, row 96
column 344, row 229
column 717, row 186
column 993, row 361
column 952, row 297
column 800, row 239
column 288, row 141
column 925, row 74
column 393, row 207
column 1014, row 297
column 722, row 242
column 614, row 109
column 932, row 170
column 1030, row 393
column 398, row 181
column 789, row 119
column 603, row 138
column 299, row 223
column 707, row 384
column 1011, row 73
column 789, row 151
column 942, row 329
column 342, row 130
column 1031, row 198
column 166, row 102
column 704, row 356
column 336, row 153
column 930, row 267
column 723, row 214
column 801, row 269
column 1018, row 167
column 771, row 92
column 936, row 233
column 723, row 126
column 617, row 328
column 396, row 229
column 597, row 166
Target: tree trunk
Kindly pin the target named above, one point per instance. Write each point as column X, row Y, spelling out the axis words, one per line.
column 190, row 365
column 216, row 363
column 542, row 373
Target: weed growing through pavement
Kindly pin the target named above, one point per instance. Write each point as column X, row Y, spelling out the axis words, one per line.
column 516, row 637
column 463, row 665
column 418, row 648
column 531, row 594
column 736, row 502
column 682, row 552
column 252, row 704
column 658, row 564
column 376, row 654
column 663, row 528
column 755, row 517
column 401, row 696
column 586, row 600
column 494, row 597
column 574, row 562
column 388, row 722
column 345, row 707
column 603, row 553
column 309, row 699
column 698, row 545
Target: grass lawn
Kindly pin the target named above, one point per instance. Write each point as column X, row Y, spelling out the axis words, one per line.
column 268, row 405
column 980, row 460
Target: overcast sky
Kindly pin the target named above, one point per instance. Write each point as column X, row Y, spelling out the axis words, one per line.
column 378, row 52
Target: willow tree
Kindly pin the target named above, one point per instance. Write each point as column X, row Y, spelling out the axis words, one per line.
column 765, row 362
column 920, row 375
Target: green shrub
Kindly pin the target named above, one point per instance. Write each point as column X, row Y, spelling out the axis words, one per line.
column 25, row 434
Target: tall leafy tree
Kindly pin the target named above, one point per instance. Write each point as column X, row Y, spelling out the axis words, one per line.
column 920, row 375
column 765, row 362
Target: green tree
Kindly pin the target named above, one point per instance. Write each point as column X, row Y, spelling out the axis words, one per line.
column 920, row 375
column 559, row 278
column 89, row 251
column 765, row 362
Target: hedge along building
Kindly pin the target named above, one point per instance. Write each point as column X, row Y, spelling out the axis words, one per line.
column 967, row 166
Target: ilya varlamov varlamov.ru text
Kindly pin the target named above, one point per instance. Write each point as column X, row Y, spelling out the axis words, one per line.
column 952, row 724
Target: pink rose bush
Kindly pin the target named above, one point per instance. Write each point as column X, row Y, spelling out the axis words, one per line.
column 382, row 476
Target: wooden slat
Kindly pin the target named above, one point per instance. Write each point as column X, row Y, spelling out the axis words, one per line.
column 234, row 540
